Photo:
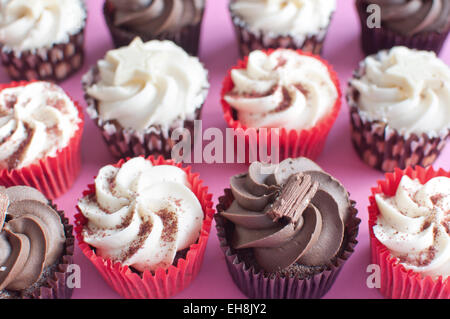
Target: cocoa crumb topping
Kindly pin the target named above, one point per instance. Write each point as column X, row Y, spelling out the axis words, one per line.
column 281, row 62
column 252, row 94
column 302, row 89
column 10, row 100
column 422, row 259
column 58, row 104
column 144, row 231
column 285, row 103
column 436, row 198
column 15, row 159
column 177, row 202
column 170, row 224
column 425, row 225
column 446, row 224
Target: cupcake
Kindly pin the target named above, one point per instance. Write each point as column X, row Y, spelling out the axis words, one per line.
column 286, row 230
column 270, row 24
column 291, row 96
column 417, row 24
column 179, row 21
column 141, row 94
column 399, row 106
column 40, row 134
column 410, row 233
column 144, row 224
column 42, row 39
column 36, row 246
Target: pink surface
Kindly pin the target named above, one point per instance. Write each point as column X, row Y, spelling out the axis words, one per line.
column 219, row 53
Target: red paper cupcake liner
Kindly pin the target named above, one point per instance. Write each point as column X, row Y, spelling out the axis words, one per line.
column 397, row 282
column 260, row 285
column 163, row 283
column 51, row 175
column 293, row 143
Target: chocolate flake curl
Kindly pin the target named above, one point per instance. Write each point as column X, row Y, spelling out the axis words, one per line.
column 294, row 198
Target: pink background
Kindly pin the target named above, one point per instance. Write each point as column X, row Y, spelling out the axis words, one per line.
column 219, row 53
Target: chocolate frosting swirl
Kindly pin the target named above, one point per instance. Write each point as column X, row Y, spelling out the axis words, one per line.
column 155, row 17
column 31, row 237
column 288, row 213
column 410, row 17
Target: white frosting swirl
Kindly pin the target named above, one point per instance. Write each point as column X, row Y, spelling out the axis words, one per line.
column 282, row 90
column 33, row 24
column 145, row 84
column 141, row 215
column 36, row 120
column 285, row 17
column 415, row 225
column 408, row 89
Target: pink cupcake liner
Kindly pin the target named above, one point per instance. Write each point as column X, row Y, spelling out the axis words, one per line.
column 396, row 281
column 163, row 283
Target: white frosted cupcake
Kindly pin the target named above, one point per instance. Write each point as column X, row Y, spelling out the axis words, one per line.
column 294, row 24
column 399, row 104
column 144, row 224
column 40, row 134
column 42, row 39
column 140, row 94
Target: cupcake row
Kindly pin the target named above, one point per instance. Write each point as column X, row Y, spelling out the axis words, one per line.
column 286, row 231
column 398, row 102
column 44, row 39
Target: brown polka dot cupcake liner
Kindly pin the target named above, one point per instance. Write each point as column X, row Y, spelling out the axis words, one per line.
column 249, row 41
column 385, row 148
column 53, row 64
column 188, row 37
column 55, row 282
column 376, row 39
column 261, row 285
column 155, row 140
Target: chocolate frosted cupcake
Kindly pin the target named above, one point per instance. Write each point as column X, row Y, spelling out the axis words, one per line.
column 140, row 94
column 286, row 230
column 399, row 105
column 42, row 39
column 177, row 20
column 36, row 246
column 417, row 24
column 294, row 24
